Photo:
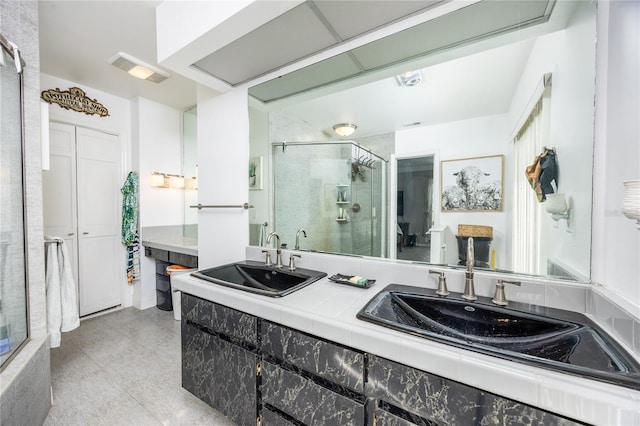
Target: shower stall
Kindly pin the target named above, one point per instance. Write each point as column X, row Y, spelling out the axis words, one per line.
column 336, row 192
column 14, row 329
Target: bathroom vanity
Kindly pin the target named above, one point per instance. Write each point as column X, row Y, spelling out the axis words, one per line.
column 307, row 359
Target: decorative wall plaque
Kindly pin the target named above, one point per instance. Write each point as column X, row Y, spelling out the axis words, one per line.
column 75, row 99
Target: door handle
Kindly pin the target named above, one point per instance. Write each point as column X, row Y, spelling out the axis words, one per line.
column 71, row 234
column 85, row 233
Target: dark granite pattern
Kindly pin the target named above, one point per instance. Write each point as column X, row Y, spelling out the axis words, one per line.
column 235, row 325
column 384, row 418
column 335, row 363
column 270, row 418
column 446, row 402
column 220, row 373
column 306, row 401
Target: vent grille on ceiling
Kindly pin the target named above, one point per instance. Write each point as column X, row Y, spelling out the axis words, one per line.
column 127, row 63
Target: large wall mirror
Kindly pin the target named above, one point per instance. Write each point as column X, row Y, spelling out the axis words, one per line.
column 474, row 114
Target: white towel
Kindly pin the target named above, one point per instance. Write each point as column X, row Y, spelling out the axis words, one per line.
column 62, row 301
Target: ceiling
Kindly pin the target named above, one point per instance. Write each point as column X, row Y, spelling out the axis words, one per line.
column 77, row 38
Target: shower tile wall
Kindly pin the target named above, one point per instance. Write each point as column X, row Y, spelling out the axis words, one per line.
column 310, row 175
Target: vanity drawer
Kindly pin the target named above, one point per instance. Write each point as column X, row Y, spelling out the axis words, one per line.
column 307, row 401
column 228, row 322
column 271, row 418
column 330, row 361
column 183, row 259
column 156, row 253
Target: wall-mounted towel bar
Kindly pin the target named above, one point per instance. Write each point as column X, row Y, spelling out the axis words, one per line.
column 205, row 206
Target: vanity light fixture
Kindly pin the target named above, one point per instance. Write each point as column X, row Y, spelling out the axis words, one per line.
column 556, row 204
column 159, row 180
column 631, row 201
column 138, row 68
column 409, row 78
column 344, row 129
column 166, row 180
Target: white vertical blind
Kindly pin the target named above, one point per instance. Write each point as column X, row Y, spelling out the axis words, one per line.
column 528, row 143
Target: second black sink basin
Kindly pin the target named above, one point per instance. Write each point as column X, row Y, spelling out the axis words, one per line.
column 479, row 323
column 254, row 277
column 550, row 338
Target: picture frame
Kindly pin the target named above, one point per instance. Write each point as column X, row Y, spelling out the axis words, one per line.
column 255, row 173
column 474, row 184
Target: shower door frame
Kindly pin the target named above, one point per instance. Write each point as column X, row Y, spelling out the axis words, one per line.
column 20, row 64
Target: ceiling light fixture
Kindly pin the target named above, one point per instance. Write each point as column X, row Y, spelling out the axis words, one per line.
column 409, row 78
column 137, row 68
column 344, row 129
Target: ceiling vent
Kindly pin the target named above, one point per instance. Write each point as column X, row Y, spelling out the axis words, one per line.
column 138, row 68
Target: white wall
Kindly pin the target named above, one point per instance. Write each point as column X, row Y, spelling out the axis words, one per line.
column 616, row 241
column 223, row 152
column 475, row 137
column 159, row 140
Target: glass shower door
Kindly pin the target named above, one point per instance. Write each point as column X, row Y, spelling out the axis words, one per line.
column 13, row 279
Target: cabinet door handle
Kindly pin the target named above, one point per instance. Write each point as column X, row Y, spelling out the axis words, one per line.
column 85, row 233
column 71, row 234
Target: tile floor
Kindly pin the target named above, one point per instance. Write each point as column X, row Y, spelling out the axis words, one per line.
column 123, row 368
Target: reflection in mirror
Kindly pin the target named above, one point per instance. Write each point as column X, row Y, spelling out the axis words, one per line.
column 510, row 97
column 336, row 192
column 190, row 164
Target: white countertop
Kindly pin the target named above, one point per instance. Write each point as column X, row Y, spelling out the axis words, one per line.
column 328, row 310
column 176, row 238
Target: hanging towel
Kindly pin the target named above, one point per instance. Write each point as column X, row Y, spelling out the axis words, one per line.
column 133, row 260
column 130, row 226
column 62, row 300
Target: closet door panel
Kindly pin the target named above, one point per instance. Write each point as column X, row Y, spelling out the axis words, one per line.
column 99, row 277
column 59, row 190
column 99, row 220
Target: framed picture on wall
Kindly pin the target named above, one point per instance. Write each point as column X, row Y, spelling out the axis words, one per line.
column 472, row 184
column 255, row 173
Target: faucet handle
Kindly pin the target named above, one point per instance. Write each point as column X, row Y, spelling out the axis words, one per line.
column 499, row 298
column 292, row 263
column 442, row 283
column 267, row 261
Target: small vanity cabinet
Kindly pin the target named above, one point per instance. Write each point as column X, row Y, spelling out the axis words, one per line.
column 219, row 358
column 164, row 258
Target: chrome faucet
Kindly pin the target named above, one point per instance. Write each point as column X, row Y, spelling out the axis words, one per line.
column 298, row 237
column 469, row 290
column 278, row 249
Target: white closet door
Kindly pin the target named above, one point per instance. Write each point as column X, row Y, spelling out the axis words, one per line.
column 99, row 220
column 59, row 190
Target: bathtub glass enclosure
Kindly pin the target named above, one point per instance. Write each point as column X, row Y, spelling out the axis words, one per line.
column 13, row 279
column 333, row 190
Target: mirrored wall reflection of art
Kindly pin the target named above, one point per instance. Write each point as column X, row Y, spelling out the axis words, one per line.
column 472, row 184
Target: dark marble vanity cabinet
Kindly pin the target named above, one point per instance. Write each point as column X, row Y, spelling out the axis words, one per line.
column 220, row 364
column 259, row 372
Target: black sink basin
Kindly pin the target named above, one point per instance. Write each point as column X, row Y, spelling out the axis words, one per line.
column 545, row 337
column 477, row 323
column 256, row 278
